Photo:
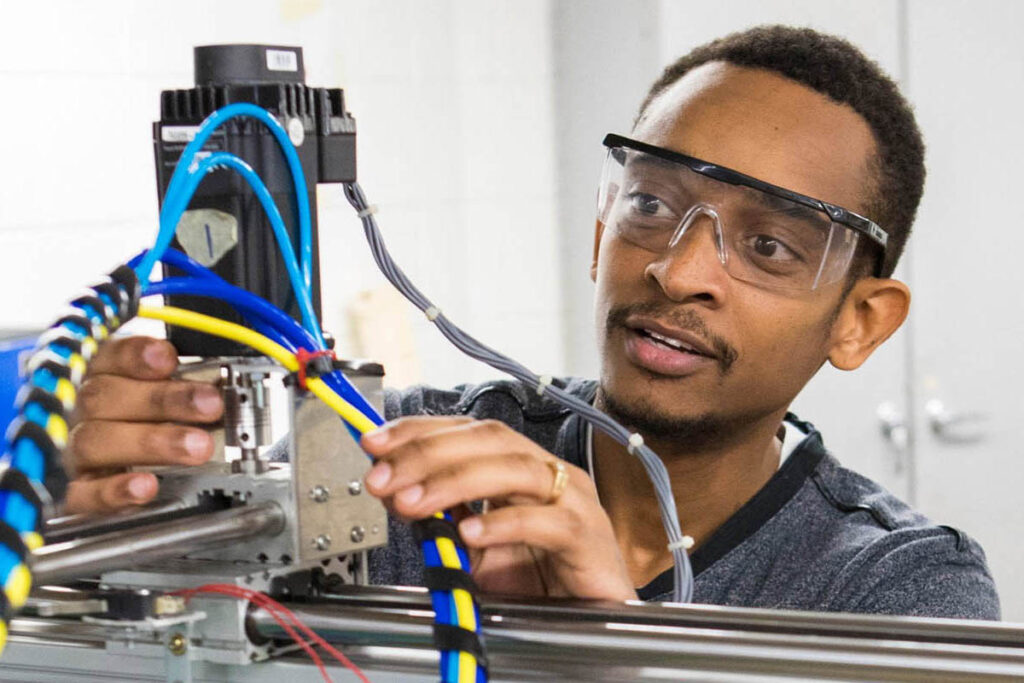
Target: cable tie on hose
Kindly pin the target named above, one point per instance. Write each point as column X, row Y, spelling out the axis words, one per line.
column 451, row 637
column 368, row 211
column 685, row 543
column 432, row 313
column 448, row 579
column 313, row 364
column 543, row 383
column 636, row 442
column 432, row 528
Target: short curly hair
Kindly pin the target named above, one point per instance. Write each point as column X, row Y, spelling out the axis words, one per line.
column 834, row 67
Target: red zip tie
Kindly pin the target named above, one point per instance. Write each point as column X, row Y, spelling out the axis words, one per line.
column 305, row 357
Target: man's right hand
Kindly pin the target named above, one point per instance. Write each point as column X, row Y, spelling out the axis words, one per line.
column 130, row 412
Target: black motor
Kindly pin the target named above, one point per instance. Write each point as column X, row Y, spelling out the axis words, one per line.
column 225, row 227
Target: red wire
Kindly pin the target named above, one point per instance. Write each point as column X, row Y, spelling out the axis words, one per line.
column 269, row 603
column 245, row 594
column 273, row 607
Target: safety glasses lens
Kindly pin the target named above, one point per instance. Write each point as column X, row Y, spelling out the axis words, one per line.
column 761, row 238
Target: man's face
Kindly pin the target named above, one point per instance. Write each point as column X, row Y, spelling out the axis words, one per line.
column 759, row 347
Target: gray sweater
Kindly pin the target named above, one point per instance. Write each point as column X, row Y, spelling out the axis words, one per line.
column 816, row 537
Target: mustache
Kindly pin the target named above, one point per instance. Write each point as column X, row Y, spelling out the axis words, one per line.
column 682, row 318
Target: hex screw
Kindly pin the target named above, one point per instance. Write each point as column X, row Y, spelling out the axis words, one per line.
column 358, row 534
column 322, row 542
column 355, row 487
column 319, row 493
column 177, row 644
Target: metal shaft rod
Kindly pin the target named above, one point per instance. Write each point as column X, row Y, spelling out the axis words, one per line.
column 545, row 645
column 846, row 625
column 75, row 526
column 134, row 547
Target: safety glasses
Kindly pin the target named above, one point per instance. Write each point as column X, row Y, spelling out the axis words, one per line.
column 764, row 234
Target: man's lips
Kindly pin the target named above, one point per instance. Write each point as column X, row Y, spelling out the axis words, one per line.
column 666, row 351
column 674, row 337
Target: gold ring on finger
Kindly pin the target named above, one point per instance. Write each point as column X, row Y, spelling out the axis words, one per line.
column 561, row 480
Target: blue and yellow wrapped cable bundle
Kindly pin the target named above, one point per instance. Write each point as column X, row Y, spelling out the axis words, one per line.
column 34, row 440
column 65, row 353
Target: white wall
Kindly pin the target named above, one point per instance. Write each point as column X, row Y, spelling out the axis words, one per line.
column 453, row 103
column 606, row 55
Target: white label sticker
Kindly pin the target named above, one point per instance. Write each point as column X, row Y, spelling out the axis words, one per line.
column 207, row 234
column 178, row 133
column 282, row 60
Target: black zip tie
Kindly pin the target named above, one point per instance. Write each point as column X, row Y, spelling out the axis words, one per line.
column 448, row 637
column 448, row 579
column 432, row 528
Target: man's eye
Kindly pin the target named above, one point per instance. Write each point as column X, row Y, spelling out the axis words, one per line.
column 768, row 247
column 647, row 205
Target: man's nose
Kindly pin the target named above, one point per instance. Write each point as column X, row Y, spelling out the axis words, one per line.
column 693, row 264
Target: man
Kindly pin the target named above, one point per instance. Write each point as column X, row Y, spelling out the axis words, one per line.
column 731, row 260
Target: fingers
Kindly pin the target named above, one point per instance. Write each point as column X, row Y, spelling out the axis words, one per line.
column 407, row 457
column 136, row 357
column 107, row 494
column 549, row 527
column 111, row 397
column 428, row 464
column 586, row 553
column 396, row 433
column 101, row 444
column 517, row 477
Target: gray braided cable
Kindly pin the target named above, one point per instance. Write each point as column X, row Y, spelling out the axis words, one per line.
column 655, row 468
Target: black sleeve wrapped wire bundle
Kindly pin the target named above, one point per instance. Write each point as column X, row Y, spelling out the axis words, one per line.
column 453, row 593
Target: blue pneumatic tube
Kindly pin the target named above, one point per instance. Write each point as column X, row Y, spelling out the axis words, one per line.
column 183, row 168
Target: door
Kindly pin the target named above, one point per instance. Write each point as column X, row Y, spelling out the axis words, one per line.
column 966, row 77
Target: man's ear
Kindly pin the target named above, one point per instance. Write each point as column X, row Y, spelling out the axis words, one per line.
column 872, row 311
column 598, row 231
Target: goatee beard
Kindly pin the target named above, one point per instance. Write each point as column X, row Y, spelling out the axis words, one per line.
column 696, row 432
